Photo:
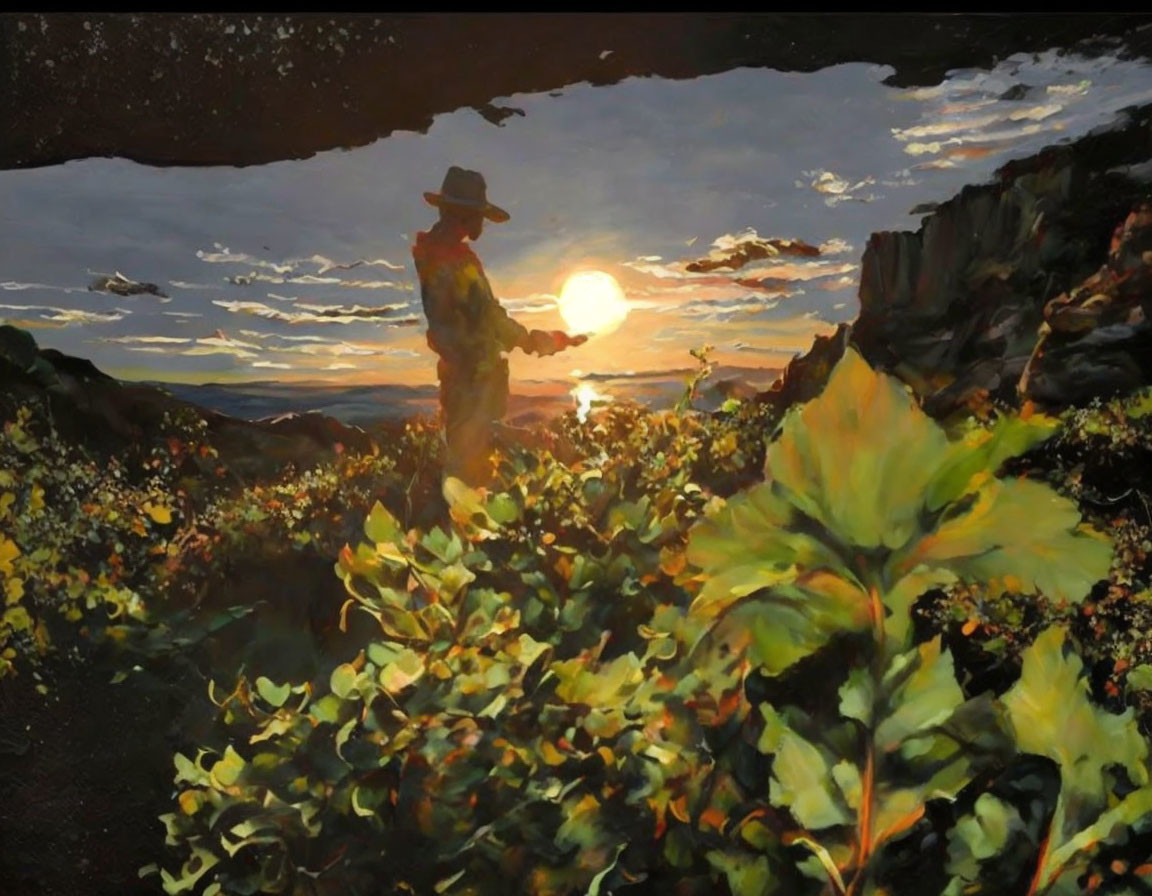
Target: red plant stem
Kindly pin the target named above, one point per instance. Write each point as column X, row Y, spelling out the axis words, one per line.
column 868, row 782
column 864, row 822
column 1038, row 877
column 876, row 611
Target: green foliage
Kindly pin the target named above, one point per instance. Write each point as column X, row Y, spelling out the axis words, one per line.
column 860, row 514
column 843, row 535
column 605, row 675
column 126, row 549
column 693, row 660
column 83, row 540
column 1100, row 756
column 485, row 726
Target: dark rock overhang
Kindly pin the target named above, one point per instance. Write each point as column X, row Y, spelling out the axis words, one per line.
column 212, row 89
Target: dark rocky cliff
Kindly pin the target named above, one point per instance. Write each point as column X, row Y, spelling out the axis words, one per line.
column 955, row 307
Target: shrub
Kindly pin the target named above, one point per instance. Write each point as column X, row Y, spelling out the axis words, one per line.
column 606, row 676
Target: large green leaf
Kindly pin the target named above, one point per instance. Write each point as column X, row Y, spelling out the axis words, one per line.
column 1050, row 710
column 1135, row 807
column 861, row 469
column 385, row 531
column 929, row 741
column 793, row 622
column 923, row 696
column 803, row 594
column 751, row 543
column 859, row 458
column 1053, row 716
column 980, row 836
column 980, row 453
column 1020, row 535
column 802, row 778
column 746, row 875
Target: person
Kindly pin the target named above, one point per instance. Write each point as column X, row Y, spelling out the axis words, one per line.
column 468, row 328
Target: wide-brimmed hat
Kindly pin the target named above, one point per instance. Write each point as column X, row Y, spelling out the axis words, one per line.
column 466, row 189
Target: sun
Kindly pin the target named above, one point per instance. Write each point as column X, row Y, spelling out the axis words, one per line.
column 592, row 302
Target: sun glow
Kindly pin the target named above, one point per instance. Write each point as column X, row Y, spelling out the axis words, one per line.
column 586, row 396
column 592, row 302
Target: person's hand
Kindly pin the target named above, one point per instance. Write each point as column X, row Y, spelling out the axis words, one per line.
column 549, row 342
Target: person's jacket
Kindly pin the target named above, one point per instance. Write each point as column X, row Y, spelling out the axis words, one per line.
column 467, row 325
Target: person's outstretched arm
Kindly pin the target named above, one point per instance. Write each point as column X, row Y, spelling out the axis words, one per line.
column 513, row 334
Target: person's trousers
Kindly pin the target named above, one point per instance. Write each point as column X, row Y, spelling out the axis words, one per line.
column 473, row 398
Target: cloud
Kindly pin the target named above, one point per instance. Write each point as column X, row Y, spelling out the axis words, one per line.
column 835, row 246
column 1023, row 97
column 338, row 348
column 724, row 309
column 183, row 284
column 328, row 314
column 270, row 350
column 837, row 189
column 219, row 343
column 838, row 283
column 735, row 251
column 306, row 271
column 1002, row 137
column 743, row 274
column 258, row 334
column 147, row 340
column 51, row 316
column 15, row 286
column 323, row 264
column 773, row 279
column 118, row 284
column 314, row 280
column 327, row 264
column 536, row 303
column 224, row 255
column 950, row 126
column 799, row 271
column 320, row 347
column 1078, row 89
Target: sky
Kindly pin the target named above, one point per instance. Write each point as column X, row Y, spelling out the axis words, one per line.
column 732, row 208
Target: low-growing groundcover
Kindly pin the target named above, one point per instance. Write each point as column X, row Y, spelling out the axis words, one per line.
column 606, row 678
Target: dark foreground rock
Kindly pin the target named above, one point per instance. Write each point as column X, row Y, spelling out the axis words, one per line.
column 245, row 89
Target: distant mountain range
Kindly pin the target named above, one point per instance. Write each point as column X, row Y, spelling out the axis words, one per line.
column 362, row 405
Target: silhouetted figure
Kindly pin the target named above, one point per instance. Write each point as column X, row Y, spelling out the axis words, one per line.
column 467, row 327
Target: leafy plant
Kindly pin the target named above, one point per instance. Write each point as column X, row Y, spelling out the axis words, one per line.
column 83, row 541
column 866, row 505
column 606, row 676
column 509, row 714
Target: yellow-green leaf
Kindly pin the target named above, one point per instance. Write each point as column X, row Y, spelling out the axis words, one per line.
column 343, row 680
column 226, row 771
column 274, row 694
column 860, row 457
column 1050, row 710
column 801, row 777
column 158, row 512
